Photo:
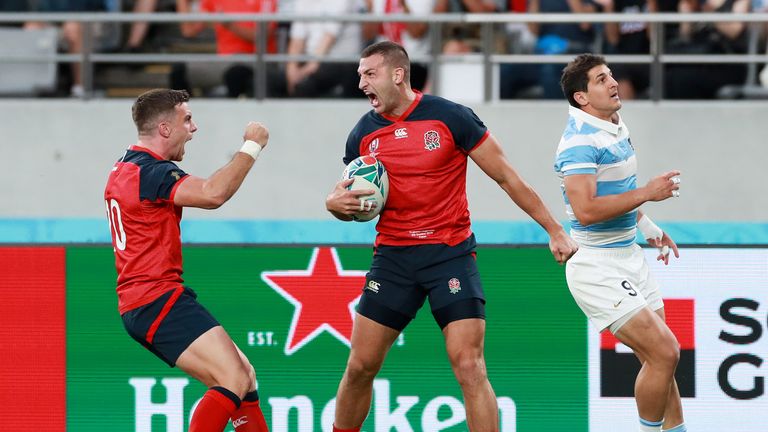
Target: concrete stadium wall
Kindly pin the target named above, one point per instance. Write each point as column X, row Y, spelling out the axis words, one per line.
column 57, row 154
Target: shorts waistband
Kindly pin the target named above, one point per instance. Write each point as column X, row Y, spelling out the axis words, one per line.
column 616, row 252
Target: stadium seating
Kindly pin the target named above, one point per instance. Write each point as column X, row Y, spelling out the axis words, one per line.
column 33, row 77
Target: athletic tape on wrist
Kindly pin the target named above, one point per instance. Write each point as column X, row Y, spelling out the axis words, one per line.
column 649, row 229
column 251, row 148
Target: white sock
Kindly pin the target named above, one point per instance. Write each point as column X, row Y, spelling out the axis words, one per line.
column 650, row 426
column 679, row 428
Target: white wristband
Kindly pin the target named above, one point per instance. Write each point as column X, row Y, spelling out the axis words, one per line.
column 649, row 229
column 251, row 148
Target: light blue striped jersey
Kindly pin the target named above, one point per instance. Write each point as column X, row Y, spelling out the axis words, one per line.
column 590, row 145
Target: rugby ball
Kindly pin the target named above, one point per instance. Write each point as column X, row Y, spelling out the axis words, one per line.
column 368, row 173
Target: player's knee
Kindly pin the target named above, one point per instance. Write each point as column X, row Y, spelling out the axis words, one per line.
column 667, row 353
column 469, row 367
column 244, row 384
column 251, row 375
column 671, row 352
column 362, row 369
column 239, row 380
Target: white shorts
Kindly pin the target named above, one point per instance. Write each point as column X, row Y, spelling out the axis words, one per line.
column 611, row 284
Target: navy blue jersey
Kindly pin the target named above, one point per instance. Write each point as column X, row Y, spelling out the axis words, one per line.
column 425, row 154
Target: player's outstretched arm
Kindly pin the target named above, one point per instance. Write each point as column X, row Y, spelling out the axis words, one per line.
column 490, row 158
column 217, row 189
column 343, row 203
column 589, row 208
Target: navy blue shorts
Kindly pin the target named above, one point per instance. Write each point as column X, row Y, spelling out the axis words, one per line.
column 168, row 325
column 403, row 277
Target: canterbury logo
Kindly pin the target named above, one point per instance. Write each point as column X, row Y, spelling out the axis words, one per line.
column 239, row 422
column 401, row 133
column 373, row 286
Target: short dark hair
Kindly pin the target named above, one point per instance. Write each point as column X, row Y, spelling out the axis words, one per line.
column 152, row 105
column 575, row 77
column 394, row 55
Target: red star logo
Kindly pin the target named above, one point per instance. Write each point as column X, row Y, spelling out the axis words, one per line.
column 324, row 296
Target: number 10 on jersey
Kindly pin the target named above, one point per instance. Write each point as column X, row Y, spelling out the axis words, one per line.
column 116, row 223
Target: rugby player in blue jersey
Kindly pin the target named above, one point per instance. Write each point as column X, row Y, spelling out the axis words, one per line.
column 608, row 276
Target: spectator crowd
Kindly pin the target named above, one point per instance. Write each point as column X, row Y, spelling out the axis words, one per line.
column 308, row 76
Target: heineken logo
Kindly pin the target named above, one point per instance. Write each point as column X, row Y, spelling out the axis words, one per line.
column 389, row 410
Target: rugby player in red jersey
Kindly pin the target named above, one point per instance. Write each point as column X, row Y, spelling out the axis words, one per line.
column 145, row 194
column 424, row 247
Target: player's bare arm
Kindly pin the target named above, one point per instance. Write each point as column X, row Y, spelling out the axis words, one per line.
column 581, row 190
column 489, row 156
column 217, row 189
column 342, row 203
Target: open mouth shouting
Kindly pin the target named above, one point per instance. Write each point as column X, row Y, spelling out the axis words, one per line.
column 373, row 99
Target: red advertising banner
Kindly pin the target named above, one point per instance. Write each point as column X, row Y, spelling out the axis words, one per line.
column 32, row 316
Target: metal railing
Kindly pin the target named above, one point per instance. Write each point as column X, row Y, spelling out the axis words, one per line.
column 656, row 59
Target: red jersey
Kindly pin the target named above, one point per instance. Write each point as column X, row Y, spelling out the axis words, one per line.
column 145, row 226
column 425, row 154
column 228, row 42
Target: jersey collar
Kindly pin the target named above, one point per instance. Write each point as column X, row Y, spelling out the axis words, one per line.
column 146, row 150
column 407, row 112
column 585, row 117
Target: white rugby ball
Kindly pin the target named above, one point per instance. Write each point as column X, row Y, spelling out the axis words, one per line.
column 369, row 173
